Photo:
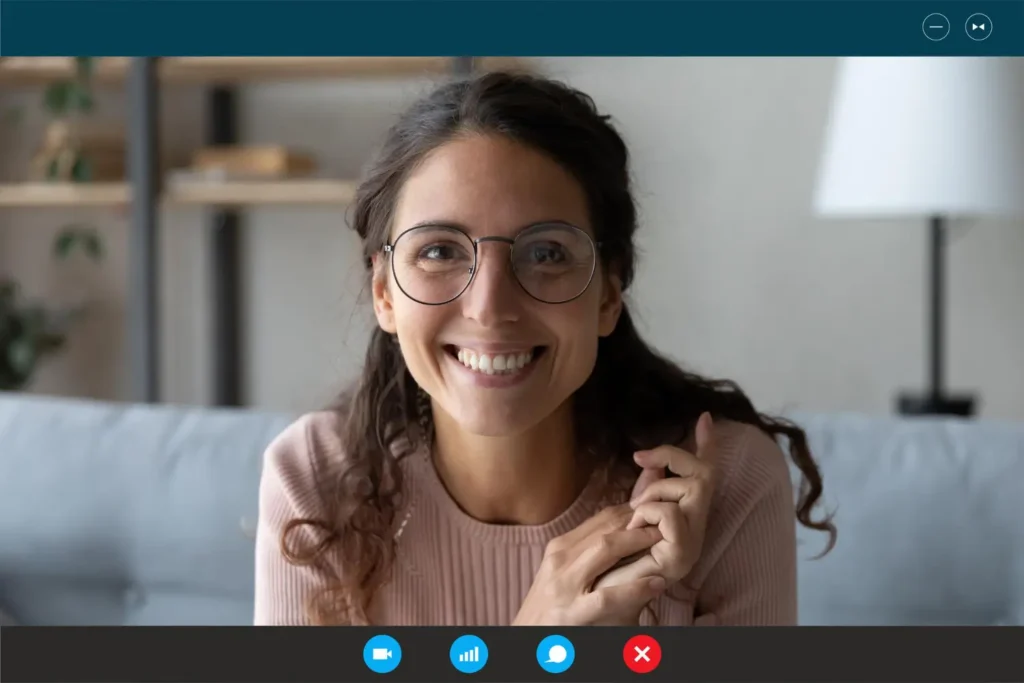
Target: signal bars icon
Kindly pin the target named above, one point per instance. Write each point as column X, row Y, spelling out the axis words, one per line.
column 470, row 655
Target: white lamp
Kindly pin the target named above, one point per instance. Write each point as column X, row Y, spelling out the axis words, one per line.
column 933, row 137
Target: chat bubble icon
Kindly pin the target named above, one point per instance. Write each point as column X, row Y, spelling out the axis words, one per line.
column 556, row 655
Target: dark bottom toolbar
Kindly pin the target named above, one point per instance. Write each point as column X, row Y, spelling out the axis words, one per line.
column 511, row 655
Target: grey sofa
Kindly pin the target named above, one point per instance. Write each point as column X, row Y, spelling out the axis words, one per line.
column 128, row 514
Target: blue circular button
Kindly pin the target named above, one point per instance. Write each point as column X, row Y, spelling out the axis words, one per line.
column 935, row 27
column 468, row 654
column 382, row 654
column 978, row 27
column 555, row 654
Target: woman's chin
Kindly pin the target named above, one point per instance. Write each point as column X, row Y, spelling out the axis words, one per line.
column 495, row 422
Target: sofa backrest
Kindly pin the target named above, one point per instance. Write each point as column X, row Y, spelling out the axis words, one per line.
column 131, row 514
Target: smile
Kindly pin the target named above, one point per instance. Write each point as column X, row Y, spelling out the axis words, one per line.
column 508, row 363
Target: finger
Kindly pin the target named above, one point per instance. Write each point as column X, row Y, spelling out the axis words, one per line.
column 644, row 566
column 705, row 435
column 601, row 553
column 668, row 518
column 617, row 604
column 683, row 536
column 647, row 476
column 673, row 490
column 676, row 460
column 607, row 520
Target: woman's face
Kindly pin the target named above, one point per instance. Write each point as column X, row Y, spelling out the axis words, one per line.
column 495, row 359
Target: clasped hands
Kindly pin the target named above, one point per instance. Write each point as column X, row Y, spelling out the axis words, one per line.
column 606, row 570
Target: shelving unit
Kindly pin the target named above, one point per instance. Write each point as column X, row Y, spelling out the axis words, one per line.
column 143, row 80
column 236, row 70
column 237, row 194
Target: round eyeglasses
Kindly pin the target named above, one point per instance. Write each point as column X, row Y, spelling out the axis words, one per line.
column 434, row 264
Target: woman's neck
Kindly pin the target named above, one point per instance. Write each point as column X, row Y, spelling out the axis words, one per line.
column 527, row 478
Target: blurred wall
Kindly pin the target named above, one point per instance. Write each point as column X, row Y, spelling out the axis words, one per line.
column 738, row 278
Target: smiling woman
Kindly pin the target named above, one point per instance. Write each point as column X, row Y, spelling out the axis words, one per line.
column 514, row 452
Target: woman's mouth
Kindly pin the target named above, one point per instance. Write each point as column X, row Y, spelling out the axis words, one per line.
column 510, row 363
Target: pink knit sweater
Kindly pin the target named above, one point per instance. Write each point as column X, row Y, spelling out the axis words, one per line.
column 452, row 569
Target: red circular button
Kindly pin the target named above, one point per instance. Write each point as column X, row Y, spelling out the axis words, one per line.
column 642, row 654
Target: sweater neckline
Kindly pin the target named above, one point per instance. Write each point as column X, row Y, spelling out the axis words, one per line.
column 586, row 504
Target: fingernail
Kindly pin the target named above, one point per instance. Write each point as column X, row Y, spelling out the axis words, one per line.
column 657, row 584
column 633, row 503
column 704, row 425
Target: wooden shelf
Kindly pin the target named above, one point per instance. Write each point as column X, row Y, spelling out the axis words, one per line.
column 199, row 70
column 256, row 193
column 57, row 195
column 238, row 193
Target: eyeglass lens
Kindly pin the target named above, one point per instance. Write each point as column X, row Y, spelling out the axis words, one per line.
column 553, row 263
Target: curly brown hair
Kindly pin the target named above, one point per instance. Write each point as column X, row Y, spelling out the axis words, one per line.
column 381, row 416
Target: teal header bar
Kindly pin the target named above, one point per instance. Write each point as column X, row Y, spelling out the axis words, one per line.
column 520, row 28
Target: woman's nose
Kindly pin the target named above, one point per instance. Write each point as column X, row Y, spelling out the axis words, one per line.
column 494, row 296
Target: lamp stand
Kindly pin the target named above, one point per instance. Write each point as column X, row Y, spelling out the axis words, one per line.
column 935, row 401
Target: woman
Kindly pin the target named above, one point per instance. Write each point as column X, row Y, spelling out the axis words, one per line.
column 514, row 453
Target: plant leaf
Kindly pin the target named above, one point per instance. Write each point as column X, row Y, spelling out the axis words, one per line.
column 50, row 342
column 93, row 245
column 57, row 97
column 80, row 97
column 65, row 242
column 81, row 172
column 21, row 356
column 78, row 235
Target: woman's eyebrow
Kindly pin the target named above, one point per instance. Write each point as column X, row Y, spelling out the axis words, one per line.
column 469, row 231
column 439, row 224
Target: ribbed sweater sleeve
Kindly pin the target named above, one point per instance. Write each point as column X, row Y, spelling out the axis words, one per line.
column 749, row 568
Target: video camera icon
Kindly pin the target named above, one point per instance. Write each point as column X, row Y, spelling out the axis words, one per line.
column 382, row 654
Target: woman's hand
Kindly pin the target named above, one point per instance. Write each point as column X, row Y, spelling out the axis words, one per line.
column 561, row 594
column 677, row 506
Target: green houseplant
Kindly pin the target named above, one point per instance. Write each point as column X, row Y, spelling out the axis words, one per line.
column 30, row 331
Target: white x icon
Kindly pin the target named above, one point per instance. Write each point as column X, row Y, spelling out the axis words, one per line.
column 641, row 654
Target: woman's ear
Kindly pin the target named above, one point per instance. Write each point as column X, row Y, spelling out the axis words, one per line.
column 383, row 305
column 611, row 305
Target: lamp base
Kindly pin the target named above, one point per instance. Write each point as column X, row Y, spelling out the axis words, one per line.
column 930, row 404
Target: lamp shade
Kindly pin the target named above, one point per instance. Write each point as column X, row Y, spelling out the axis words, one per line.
column 924, row 136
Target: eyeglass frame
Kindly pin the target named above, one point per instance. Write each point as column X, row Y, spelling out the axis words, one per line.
column 389, row 249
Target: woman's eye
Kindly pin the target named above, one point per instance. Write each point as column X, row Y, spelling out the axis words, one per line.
column 547, row 254
column 437, row 252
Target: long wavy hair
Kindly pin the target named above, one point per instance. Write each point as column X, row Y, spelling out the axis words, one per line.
column 634, row 399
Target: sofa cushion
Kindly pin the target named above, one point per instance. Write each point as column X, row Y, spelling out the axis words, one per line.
column 929, row 514
column 118, row 514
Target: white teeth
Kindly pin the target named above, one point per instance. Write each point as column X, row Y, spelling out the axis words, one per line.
column 495, row 364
